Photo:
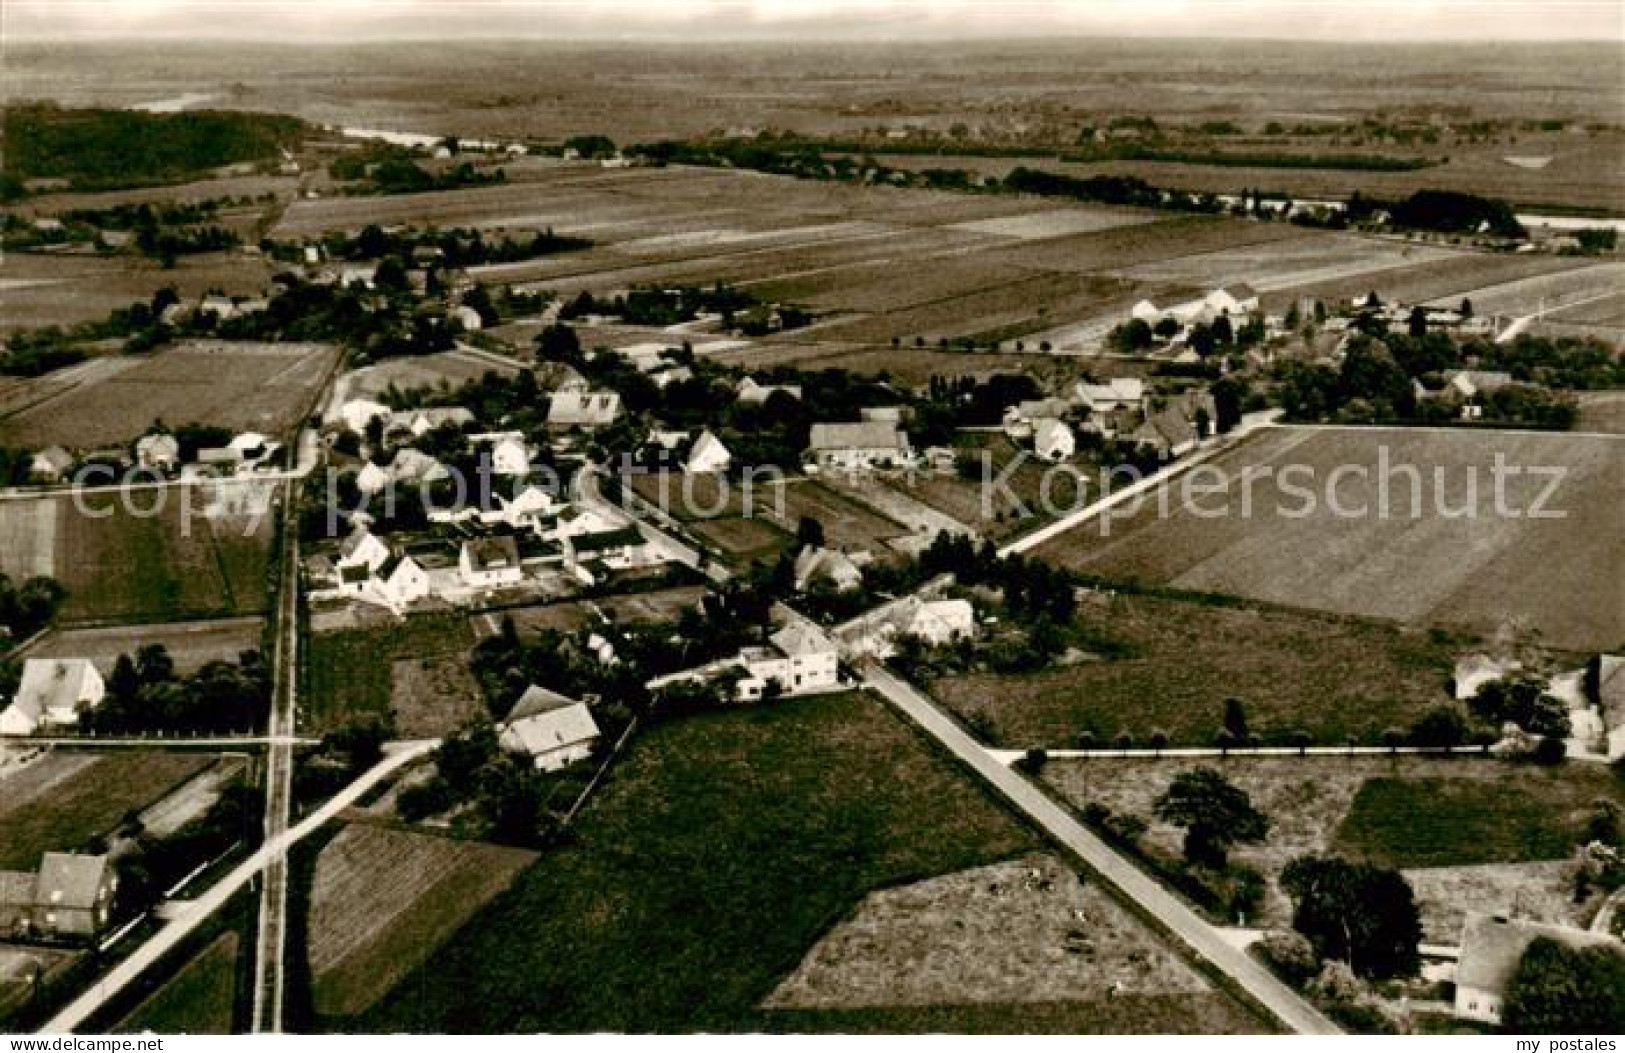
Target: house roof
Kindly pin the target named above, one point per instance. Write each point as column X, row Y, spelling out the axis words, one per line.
column 813, row 562
column 865, row 435
column 1238, row 291
column 708, row 446
column 607, row 539
column 575, row 406
column 553, row 729
column 158, row 444
column 356, row 539
column 69, row 880
column 802, row 638
column 56, row 457
column 395, row 564
column 750, row 391
column 1048, row 431
column 1118, row 389
column 536, row 701
column 52, row 683
column 1492, row 946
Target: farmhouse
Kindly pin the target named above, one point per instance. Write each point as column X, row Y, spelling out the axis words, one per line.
column 707, row 455
column 618, row 548
column 802, row 660
column 489, row 562
column 420, row 422
column 1053, row 439
column 1117, row 393
column 814, row 564
column 581, row 407
column 51, row 464
column 159, row 452
column 1236, row 299
column 358, row 413
column 1151, row 311
column 550, row 729
column 753, row 394
column 53, row 692
column 69, row 897
column 1491, row 947
column 1020, row 419
column 400, row 581
column 1170, row 432
column 362, row 549
column 525, row 510
column 509, row 454
column 856, row 447
column 936, row 622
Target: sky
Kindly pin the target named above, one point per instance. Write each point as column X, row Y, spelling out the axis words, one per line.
column 1428, row 20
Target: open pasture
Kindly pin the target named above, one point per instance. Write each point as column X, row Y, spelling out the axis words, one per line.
column 383, row 901
column 191, row 644
column 200, row 999
column 639, row 608
column 1598, row 283
column 414, row 672
column 1448, row 277
column 1360, row 542
column 1606, row 310
column 242, row 386
column 176, row 564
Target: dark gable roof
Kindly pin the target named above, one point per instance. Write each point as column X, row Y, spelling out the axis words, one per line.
column 608, row 539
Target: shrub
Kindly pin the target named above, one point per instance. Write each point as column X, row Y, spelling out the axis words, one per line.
column 1290, row 955
column 1550, row 750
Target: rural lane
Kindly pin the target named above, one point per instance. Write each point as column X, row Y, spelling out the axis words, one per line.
column 1203, row 938
column 187, row 915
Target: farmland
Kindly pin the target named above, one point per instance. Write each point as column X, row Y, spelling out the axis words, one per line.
column 179, row 563
column 1176, row 661
column 1462, row 556
column 641, row 608
column 198, row 1000
column 383, row 900
column 636, row 925
column 190, row 644
column 1029, row 932
column 1592, row 285
column 1472, row 827
column 41, row 290
column 415, row 671
column 1292, row 262
column 1449, row 278
column 241, row 386
column 64, row 800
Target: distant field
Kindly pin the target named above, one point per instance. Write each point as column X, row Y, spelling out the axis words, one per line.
column 415, row 669
column 65, row 799
column 1596, row 284
column 1475, row 573
column 1334, row 678
column 1452, row 276
column 639, row 923
column 450, row 368
column 178, row 564
column 190, row 644
column 1606, row 310
column 1602, row 411
column 241, row 386
column 1287, row 263
column 384, row 900
column 39, row 290
column 198, row 1000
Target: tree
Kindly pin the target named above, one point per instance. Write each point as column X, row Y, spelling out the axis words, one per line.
column 1235, row 720
column 1356, row 913
column 1524, row 700
column 1132, row 335
column 1605, row 824
column 558, row 343
column 1442, row 725
column 1214, row 815
column 1561, row 990
column 1417, row 324
column 809, row 532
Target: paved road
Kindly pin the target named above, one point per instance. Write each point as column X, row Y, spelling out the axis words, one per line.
column 156, row 743
column 187, row 915
column 1184, row 923
column 271, row 947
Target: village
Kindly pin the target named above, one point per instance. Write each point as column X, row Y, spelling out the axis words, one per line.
column 438, row 530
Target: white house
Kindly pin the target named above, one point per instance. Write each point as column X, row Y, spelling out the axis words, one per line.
column 1019, row 419
column 1237, row 299
column 707, row 455
column 525, row 510
column 826, row 564
column 358, row 413
column 420, row 422
column 1117, row 393
column 752, row 393
column 373, row 478
column 575, row 407
column 509, row 454
column 552, row 730
column 1491, row 948
column 856, row 447
column 490, row 562
column 400, row 581
column 1053, row 439
column 51, row 464
column 935, row 622
column 1153, row 310
column 362, row 549
column 53, row 691
column 158, row 452
column 802, row 660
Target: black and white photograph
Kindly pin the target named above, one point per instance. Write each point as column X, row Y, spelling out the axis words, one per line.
column 623, row 520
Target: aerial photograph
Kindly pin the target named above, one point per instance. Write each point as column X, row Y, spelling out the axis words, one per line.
column 603, row 518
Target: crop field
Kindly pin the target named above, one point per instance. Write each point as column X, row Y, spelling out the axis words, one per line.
column 416, row 670
column 1287, row 263
column 201, row 999
column 744, row 540
column 1602, row 411
column 1326, row 804
column 1449, row 277
column 384, row 900
column 39, row 290
column 638, row 924
column 65, row 799
column 190, row 644
column 1167, row 664
column 1030, row 931
column 179, row 563
column 1571, row 289
column 241, row 386
column 1605, row 310
column 1410, row 528
column 448, row 368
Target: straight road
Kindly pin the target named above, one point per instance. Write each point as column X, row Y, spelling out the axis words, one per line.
column 1198, row 935
column 271, row 947
column 186, row 915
